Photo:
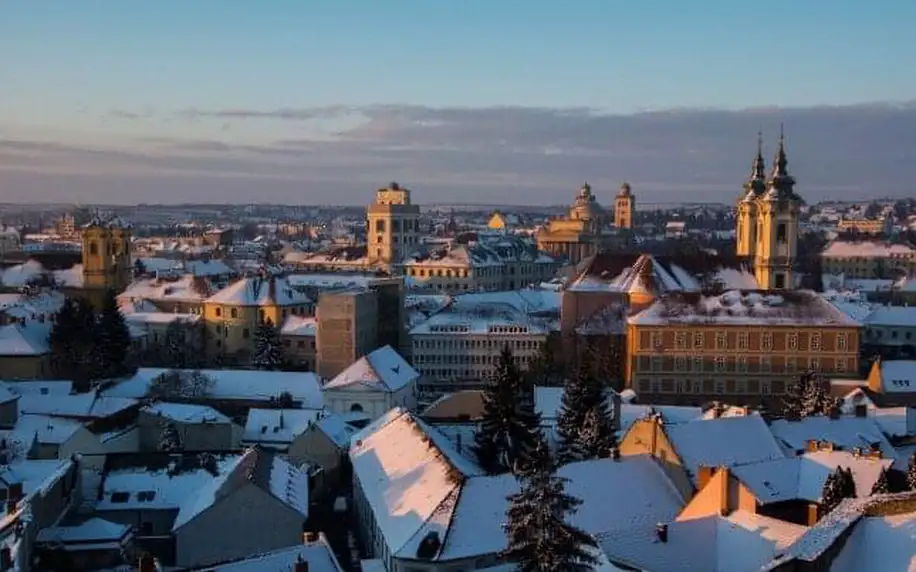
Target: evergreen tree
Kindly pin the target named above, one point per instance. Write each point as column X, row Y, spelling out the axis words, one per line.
column 911, row 473
column 175, row 351
column 268, row 352
column 793, row 402
column 595, row 438
column 509, row 429
column 832, row 492
column 545, row 370
column 882, row 486
column 113, row 338
column 848, row 484
column 170, row 440
column 816, row 400
column 63, row 339
column 539, row 537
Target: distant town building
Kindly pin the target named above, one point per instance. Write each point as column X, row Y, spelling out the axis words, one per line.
column 580, row 233
column 874, row 226
column 393, row 225
column 624, row 204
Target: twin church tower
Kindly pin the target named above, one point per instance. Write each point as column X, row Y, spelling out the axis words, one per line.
column 767, row 221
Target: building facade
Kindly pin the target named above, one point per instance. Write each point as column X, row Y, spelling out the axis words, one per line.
column 392, row 225
column 106, row 254
column 579, row 234
column 624, row 204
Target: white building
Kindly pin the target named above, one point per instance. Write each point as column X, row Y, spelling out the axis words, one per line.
column 373, row 384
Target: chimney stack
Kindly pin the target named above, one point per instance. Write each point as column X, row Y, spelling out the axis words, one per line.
column 811, row 445
column 147, row 563
column 661, row 531
column 301, row 565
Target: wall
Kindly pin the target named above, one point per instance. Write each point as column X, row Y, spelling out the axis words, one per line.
column 194, row 436
column 647, row 437
column 25, row 367
column 249, row 521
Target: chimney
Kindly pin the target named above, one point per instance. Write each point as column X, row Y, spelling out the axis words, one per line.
column 147, row 563
column 301, row 565
column 875, row 454
column 6, row 559
column 825, row 446
column 309, row 537
column 615, row 454
column 661, row 531
column 861, row 410
column 704, row 474
column 811, row 445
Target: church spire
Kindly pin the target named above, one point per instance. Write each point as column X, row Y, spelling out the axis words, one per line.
column 781, row 182
column 781, row 163
column 758, row 170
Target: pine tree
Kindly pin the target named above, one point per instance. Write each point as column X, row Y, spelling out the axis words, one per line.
column 268, row 352
column 595, row 439
column 815, row 400
column 832, row 492
column 882, row 486
column 583, row 394
column 509, row 429
column 73, row 341
column 63, row 339
column 113, row 338
column 175, row 353
column 539, row 536
column 170, row 440
column 545, row 371
column 848, row 484
column 911, row 473
column 793, row 403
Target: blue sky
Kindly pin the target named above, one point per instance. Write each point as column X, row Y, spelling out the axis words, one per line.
column 73, row 70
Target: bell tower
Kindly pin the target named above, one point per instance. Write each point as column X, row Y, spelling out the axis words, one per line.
column 392, row 225
column 106, row 254
column 623, row 207
column 777, row 227
column 754, row 187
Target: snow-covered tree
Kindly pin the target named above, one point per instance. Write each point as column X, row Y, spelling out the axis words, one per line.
column 816, row 400
column 268, row 351
column 509, row 429
column 582, row 395
column 848, row 484
column 838, row 486
column 170, row 440
column 539, row 536
column 113, row 338
column 793, row 402
column 911, row 473
column 178, row 384
column 882, row 486
column 595, row 439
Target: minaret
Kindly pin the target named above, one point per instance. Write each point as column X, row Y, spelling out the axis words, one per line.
column 754, row 187
column 777, row 236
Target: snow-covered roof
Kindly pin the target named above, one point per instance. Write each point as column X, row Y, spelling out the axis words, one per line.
column 740, row 542
column 20, row 340
column 898, row 376
column 31, row 473
column 802, row 478
column 318, row 555
column 92, row 531
column 186, row 413
column 337, row 429
column 156, row 489
column 382, row 369
column 879, row 543
column 43, row 429
column 281, row 480
column 866, row 249
column 21, row 274
column 736, row 307
column 417, row 483
column 232, row 384
column 728, row 442
column 331, row 280
column 7, row 393
column 186, row 288
column 258, row 291
column 299, row 326
column 89, row 405
column 277, row 428
column 210, row 267
column 846, row 433
column 504, row 312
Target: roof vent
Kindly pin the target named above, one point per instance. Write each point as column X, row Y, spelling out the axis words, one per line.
column 429, row 546
column 661, row 532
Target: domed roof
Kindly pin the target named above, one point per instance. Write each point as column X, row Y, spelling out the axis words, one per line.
column 625, row 190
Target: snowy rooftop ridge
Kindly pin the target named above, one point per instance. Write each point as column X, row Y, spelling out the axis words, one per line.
column 777, row 308
column 260, row 291
column 867, row 249
column 382, row 369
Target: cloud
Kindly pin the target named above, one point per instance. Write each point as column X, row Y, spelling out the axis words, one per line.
column 519, row 155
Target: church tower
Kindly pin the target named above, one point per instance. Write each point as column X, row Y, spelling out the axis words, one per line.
column 106, row 254
column 777, row 227
column 623, row 207
column 754, row 187
column 392, row 225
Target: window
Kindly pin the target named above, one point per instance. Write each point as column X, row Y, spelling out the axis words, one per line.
column 146, row 529
column 680, row 363
column 841, row 365
column 742, row 340
column 680, row 340
column 697, row 363
column 93, row 248
column 721, row 341
column 765, row 364
column 120, row 497
column 742, row 364
column 218, row 312
column 841, row 342
column 656, row 364
column 234, row 313
column 720, row 363
column 816, row 342
column 246, row 333
column 698, row 340
column 767, row 341
column 814, row 364
column 781, row 233
column 657, row 340
column 793, row 341
column 780, row 281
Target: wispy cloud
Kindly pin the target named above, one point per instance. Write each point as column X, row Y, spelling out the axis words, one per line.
column 510, row 154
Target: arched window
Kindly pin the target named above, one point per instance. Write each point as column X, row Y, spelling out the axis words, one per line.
column 356, row 408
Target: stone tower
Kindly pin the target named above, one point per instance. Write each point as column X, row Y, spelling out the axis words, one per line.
column 778, row 209
column 623, row 207
column 392, row 225
column 106, row 254
column 754, row 187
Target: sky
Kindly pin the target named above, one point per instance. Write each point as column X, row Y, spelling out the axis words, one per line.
column 516, row 101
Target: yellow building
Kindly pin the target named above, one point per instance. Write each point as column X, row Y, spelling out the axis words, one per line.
column 233, row 315
column 767, row 225
column 876, row 226
column 497, row 221
column 579, row 234
column 106, row 254
column 393, row 225
column 624, row 205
